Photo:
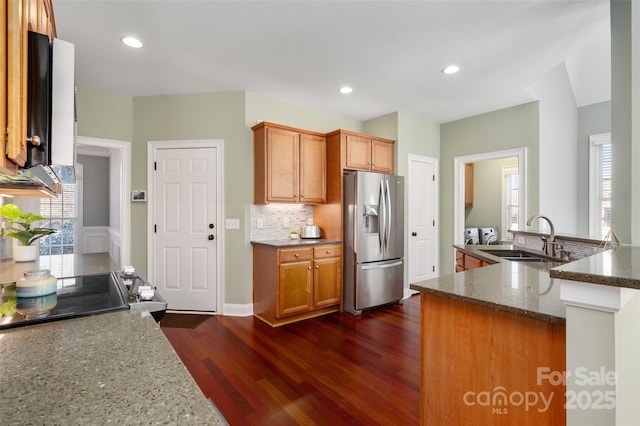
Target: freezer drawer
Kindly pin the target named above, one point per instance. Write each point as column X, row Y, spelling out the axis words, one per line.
column 378, row 283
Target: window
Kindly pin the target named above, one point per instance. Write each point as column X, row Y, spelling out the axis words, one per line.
column 600, row 184
column 510, row 200
column 61, row 215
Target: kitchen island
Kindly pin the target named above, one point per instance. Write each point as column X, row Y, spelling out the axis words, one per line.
column 115, row 368
column 490, row 338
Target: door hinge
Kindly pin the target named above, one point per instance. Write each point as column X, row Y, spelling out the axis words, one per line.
column 434, row 268
column 434, row 223
column 155, row 166
column 434, row 178
column 155, row 228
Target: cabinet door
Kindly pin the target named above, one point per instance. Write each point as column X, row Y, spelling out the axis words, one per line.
column 3, row 89
column 381, row 156
column 327, row 276
column 16, row 92
column 358, row 153
column 294, row 288
column 282, row 165
column 468, row 185
column 313, row 166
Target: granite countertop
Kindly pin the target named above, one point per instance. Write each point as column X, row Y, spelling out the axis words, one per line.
column 113, row 368
column 284, row 243
column 63, row 265
column 523, row 288
column 614, row 267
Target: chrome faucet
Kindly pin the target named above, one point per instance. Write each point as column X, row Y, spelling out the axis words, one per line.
column 549, row 243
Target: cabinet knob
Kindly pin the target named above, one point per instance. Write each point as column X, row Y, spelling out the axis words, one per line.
column 302, row 195
column 369, row 162
column 317, row 266
column 297, row 255
column 309, row 267
column 35, row 140
column 328, row 251
column 374, row 163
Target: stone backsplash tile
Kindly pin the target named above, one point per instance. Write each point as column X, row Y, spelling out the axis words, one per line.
column 272, row 217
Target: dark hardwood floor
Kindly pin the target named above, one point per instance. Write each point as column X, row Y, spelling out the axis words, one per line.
column 338, row 369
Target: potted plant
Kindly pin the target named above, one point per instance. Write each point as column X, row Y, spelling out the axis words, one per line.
column 20, row 229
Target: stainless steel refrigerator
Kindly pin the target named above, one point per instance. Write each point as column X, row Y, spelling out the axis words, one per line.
column 373, row 240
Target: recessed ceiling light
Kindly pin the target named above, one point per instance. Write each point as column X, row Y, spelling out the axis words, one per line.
column 345, row 90
column 451, row 69
column 132, row 42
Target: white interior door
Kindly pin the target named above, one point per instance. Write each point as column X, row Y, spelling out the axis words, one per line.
column 422, row 204
column 186, row 228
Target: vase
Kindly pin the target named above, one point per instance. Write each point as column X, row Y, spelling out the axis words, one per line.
column 25, row 253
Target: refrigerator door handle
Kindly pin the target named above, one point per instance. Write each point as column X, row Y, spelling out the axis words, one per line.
column 381, row 220
column 388, row 225
column 379, row 265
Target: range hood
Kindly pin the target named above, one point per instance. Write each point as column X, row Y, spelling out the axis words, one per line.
column 44, row 180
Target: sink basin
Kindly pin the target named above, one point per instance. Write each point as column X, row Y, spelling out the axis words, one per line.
column 516, row 255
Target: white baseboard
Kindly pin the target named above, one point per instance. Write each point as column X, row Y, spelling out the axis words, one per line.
column 238, row 309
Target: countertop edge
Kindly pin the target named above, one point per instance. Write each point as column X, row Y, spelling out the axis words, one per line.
column 492, row 305
column 295, row 243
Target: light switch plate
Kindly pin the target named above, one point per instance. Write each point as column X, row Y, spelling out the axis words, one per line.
column 232, row 223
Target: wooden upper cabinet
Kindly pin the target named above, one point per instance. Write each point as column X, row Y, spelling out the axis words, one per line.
column 368, row 153
column 381, row 156
column 282, row 165
column 313, row 169
column 468, row 185
column 358, row 152
column 289, row 165
column 18, row 17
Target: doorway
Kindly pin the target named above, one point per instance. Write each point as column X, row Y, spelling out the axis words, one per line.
column 422, row 204
column 459, row 186
column 119, row 153
column 185, row 212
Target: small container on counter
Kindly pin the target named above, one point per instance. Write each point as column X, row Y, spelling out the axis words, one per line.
column 36, row 283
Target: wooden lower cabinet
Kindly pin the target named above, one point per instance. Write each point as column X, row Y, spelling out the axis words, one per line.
column 465, row 261
column 291, row 284
column 480, row 366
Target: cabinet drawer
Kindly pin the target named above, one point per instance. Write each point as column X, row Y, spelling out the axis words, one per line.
column 293, row 255
column 327, row 251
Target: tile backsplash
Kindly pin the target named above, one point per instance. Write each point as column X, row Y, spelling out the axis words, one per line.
column 268, row 221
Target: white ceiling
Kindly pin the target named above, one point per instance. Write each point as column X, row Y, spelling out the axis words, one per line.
column 390, row 52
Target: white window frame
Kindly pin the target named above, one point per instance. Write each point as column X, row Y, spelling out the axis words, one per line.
column 507, row 170
column 595, row 141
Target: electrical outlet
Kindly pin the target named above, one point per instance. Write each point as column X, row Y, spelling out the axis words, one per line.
column 260, row 223
column 521, row 240
column 232, row 223
column 285, row 222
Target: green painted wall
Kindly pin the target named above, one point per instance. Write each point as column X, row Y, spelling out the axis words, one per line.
column 198, row 116
column 508, row 128
column 104, row 115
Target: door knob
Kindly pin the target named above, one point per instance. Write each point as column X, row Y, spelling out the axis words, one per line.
column 414, row 234
column 210, row 237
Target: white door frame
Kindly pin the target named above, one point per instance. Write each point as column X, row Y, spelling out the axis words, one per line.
column 458, row 198
column 436, row 195
column 152, row 147
column 125, row 188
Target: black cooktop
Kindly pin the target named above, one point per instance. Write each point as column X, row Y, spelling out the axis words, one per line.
column 75, row 297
